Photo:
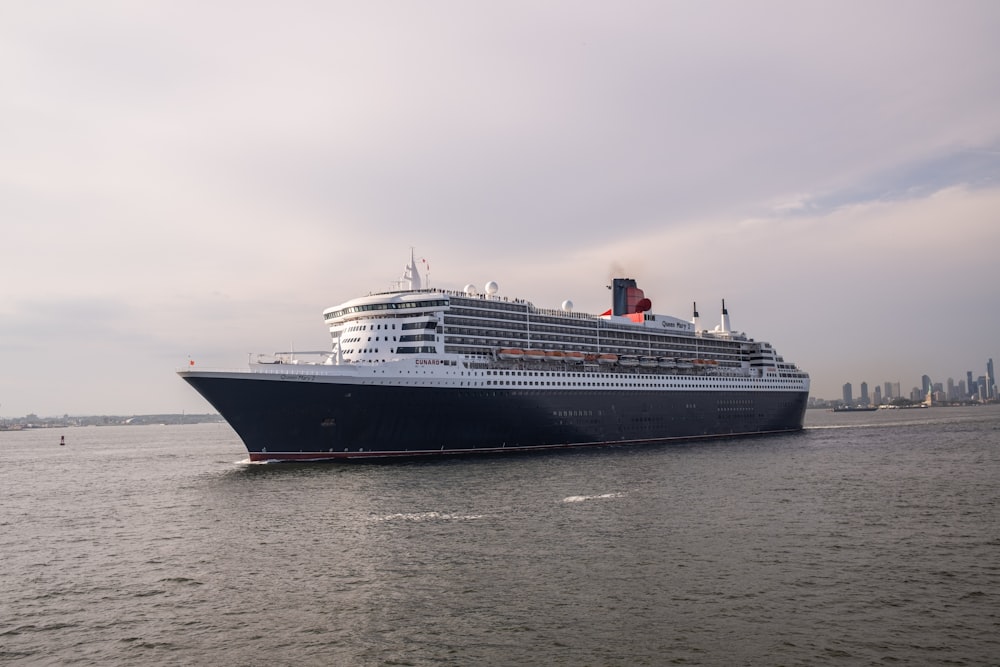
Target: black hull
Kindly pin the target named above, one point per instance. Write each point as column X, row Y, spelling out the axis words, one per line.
column 283, row 420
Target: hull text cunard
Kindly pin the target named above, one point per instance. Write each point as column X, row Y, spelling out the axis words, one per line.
column 418, row 371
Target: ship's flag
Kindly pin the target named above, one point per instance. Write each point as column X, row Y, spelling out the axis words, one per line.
column 190, row 362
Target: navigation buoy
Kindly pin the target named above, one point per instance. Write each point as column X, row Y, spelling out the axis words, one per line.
column 62, row 440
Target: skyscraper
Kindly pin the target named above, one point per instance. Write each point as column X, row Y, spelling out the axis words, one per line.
column 970, row 383
column 925, row 384
column 991, row 380
column 848, row 394
column 888, row 391
column 864, row 394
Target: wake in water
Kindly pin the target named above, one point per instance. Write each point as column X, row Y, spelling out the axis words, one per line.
column 425, row 516
column 580, row 499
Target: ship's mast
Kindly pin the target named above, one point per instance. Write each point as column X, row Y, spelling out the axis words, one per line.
column 411, row 277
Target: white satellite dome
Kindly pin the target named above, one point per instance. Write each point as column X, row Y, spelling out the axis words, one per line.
column 470, row 289
column 491, row 287
column 567, row 305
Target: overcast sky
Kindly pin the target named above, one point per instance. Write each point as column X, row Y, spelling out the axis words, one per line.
column 201, row 179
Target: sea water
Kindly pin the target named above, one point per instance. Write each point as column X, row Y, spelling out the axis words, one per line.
column 869, row 538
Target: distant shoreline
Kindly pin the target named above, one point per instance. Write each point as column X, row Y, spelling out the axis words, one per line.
column 31, row 422
column 951, row 404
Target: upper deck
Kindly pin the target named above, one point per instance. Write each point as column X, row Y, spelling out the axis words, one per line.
column 491, row 330
column 488, row 328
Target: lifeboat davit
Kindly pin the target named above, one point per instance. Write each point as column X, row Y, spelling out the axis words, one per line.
column 511, row 353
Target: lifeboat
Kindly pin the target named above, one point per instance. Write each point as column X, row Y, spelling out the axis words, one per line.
column 607, row 358
column 628, row 361
column 666, row 362
column 703, row 364
column 647, row 362
column 534, row 355
column 574, row 357
column 684, row 364
column 554, row 355
column 512, row 353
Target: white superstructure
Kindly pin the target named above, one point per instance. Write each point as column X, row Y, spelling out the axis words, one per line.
column 483, row 339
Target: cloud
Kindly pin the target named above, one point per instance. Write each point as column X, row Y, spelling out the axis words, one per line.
column 217, row 182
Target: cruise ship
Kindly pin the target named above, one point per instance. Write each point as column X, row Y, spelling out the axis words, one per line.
column 417, row 371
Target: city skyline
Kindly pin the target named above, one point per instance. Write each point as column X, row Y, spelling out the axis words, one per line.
column 196, row 190
column 978, row 388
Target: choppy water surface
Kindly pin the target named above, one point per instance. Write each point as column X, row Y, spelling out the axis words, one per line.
column 868, row 539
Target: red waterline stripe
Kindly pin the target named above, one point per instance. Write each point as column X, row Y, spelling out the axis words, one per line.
column 329, row 456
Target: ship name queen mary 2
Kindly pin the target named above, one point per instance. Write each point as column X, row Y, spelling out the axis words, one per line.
column 418, row 372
